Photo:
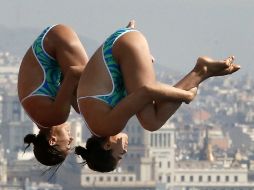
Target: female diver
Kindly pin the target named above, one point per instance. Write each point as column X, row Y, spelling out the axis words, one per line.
column 47, row 83
column 119, row 82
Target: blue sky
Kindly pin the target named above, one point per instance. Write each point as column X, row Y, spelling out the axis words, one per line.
column 178, row 30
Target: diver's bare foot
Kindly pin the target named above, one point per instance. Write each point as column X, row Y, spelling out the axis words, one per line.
column 131, row 24
column 208, row 67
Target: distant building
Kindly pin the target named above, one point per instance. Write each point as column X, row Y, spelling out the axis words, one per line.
column 157, row 168
column 19, row 171
column 3, row 164
column 4, row 186
column 14, row 133
column 76, row 132
column 114, row 180
column 210, row 172
column 31, row 186
column 1, row 108
column 218, row 139
column 206, row 175
column 41, row 186
column 11, row 108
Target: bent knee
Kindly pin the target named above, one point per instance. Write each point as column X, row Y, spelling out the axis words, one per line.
column 151, row 127
column 150, row 123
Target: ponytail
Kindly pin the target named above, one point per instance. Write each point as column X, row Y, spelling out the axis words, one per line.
column 83, row 152
column 95, row 156
column 28, row 139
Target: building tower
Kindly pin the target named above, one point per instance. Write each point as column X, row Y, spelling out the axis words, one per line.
column 207, row 153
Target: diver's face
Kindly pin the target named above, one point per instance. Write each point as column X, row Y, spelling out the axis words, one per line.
column 62, row 137
column 118, row 144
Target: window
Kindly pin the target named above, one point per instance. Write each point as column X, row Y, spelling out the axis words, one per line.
column 191, row 178
column 130, row 178
column 236, row 178
column 115, row 178
column 101, row 179
column 200, row 178
column 132, row 140
column 130, row 168
column 152, row 140
column 16, row 107
column 168, row 179
column 155, row 139
column 160, row 140
column 218, row 178
column 160, row 164
column 168, row 140
column 182, row 178
column 160, row 178
column 108, row 178
column 87, row 178
column 165, row 140
column 123, row 178
column 16, row 111
column 209, row 179
column 227, row 178
column 168, row 164
column 139, row 141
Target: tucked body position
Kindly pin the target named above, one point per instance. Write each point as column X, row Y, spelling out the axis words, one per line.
column 47, row 84
column 119, row 82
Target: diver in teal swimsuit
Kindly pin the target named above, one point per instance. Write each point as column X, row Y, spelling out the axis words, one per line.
column 119, row 82
column 47, row 83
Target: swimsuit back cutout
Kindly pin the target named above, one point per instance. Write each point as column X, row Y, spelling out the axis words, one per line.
column 51, row 69
column 118, row 91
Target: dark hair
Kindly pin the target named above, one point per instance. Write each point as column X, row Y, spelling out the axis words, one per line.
column 95, row 156
column 45, row 153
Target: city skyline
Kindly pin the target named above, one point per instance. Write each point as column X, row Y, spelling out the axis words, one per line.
column 205, row 145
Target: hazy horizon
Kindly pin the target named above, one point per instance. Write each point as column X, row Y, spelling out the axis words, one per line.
column 178, row 31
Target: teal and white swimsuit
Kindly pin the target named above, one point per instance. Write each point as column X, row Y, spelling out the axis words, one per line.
column 51, row 69
column 118, row 91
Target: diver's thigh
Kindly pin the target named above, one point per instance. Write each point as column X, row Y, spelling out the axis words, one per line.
column 135, row 61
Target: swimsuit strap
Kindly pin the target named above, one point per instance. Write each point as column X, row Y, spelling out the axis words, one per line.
column 118, row 91
column 52, row 71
